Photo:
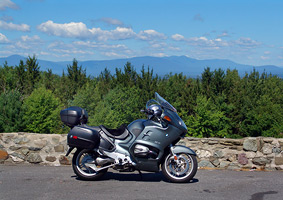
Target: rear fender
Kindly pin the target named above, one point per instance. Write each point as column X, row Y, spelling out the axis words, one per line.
column 183, row 149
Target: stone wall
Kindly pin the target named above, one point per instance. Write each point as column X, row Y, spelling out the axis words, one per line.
column 213, row 153
column 238, row 154
column 49, row 149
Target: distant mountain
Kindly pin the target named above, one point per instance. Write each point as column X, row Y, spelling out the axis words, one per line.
column 161, row 65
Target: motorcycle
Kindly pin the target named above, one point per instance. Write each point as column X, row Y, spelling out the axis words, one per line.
column 143, row 145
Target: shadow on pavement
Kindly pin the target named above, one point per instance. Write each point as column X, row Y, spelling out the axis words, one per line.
column 145, row 177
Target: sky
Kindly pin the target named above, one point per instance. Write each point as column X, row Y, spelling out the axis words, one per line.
column 244, row 31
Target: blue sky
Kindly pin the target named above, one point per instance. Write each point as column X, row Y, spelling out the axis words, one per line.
column 244, row 31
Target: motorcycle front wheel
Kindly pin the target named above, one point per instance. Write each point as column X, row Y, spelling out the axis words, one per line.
column 81, row 161
column 180, row 170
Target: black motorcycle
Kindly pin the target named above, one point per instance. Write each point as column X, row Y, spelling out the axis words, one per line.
column 143, row 145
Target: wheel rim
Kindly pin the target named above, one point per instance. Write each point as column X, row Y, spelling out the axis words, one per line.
column 180, row 169
column 85, row 158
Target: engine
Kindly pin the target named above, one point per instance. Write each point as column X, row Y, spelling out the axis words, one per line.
column 142, row 151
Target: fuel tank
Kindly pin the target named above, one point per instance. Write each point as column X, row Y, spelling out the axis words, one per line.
column 137, row 126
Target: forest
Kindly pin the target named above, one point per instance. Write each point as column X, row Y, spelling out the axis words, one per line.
column 216, row 104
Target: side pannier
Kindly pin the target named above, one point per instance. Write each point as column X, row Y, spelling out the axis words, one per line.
column 74, row 116
column 83, row 137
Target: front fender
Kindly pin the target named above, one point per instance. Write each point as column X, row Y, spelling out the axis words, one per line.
column 183, row 149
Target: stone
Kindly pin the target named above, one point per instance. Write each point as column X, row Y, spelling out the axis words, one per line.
column 218, row 154
column 226, row 142
column 242, row 159
column 25, row 151
column 250, row 154
column 40, row 143
column 276, row 150
column 18, row 155
column 204, row 141
column 59, row 148
column 1, row 146
column 3, row 155
column 261, row 161
column 63, row 160
column 250, row 144
column 233, row 166
column 224, row 164
column 203, row 154
column 259, row 154
column 279, row 167
column 267, row 149
column 181, row 142
column 280, row 143
column 34, row 148
column 206, row 163
column 50, row 158
column 55, row 139
column 260, row 144
column 231, row 142
column 213, row 142
column 231, row 157
column 34, row 158
column 21, row 140
column 16, row 159
column 214, row 161
column 278, row 160
column 14, row 148
column 268, row 140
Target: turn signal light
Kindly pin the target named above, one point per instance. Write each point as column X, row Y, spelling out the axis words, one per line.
column 167, row 118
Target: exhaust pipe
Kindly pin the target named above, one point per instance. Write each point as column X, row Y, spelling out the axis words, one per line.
column 103, row 161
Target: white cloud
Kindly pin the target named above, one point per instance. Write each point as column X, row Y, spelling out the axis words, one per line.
column 111, row 21
column 178, row 37
column 79, row 30
column 159, row 55
column 73, row 29
column 264, row 57
column 3, row 39
column 223, row 34
column 247, row 43
column 14, row 27
column 151, row 35
column 26, row 44
column 121, row 33
column 79, row 48
column 201, row 41
column 26, row 38
column 7, row 4
column 7, row 18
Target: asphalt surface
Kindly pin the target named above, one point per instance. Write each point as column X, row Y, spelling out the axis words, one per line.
column 24, row 182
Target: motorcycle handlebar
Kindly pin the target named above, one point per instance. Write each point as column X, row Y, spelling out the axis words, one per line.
column 148, row 112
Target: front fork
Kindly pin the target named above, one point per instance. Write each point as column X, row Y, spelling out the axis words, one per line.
column 174, row 155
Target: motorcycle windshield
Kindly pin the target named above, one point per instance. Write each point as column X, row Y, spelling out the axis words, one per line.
column 164, row 103
column 176, row 120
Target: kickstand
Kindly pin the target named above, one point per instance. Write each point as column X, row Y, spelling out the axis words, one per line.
column 140, row 174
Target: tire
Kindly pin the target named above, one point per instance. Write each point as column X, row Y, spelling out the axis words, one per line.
column 80, row 158
column 181, row 172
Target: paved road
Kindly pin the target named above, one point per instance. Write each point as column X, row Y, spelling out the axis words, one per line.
column 56, row 183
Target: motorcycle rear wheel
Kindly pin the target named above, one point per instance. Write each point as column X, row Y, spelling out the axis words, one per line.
column 79, row 161
column 181, row 170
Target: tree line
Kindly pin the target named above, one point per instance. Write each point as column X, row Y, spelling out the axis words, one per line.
column 216, row 104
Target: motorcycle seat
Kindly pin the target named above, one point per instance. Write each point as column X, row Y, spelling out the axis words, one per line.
column 119, row 133
column 95, row 128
